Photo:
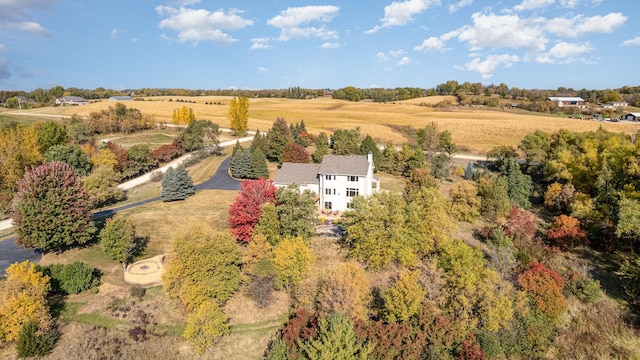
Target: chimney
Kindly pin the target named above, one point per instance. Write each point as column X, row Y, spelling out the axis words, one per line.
column 370, row 158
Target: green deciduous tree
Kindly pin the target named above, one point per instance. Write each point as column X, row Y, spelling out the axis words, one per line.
column 322, row 147
column 628, row 226
column 203, row 265
column 139, row 161
column 368, row 145
column 346, row 142
column 239, row 115
column 51, row 210
column 119, row 240
column 51, row 133
column 296, row 212
column 102, row 187
column 72, row 155
column 200, row 135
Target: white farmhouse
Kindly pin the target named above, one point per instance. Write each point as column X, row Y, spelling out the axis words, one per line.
column 335, row 181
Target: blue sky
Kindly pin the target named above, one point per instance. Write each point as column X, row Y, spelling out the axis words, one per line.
column 267, row 44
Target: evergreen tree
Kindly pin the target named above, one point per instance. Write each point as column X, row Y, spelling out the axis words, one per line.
column 518, row 184
column 240, row 164
column 185, row 183
column 169, row 184
column 236, row 148
column 259, row 164
column 260, row 142
column 468, row 172
column 278, row 138
column 176, row 184
column 370, row 146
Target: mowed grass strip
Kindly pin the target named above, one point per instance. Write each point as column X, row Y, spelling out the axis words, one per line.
column 478, row 129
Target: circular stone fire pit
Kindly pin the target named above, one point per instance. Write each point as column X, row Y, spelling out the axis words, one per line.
column 146, row 272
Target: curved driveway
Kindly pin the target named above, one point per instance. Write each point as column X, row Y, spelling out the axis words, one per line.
column 10, row 252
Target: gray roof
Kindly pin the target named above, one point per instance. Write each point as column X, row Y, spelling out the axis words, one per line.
column 344, row 165
column 300, row 174
column 121, row 98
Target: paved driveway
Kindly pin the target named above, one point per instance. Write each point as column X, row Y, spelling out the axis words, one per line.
column 10, row 253
column 221, row 179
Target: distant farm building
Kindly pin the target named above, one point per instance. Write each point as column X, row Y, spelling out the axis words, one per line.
column 120, row 98
column 613, row 105
column 567, row 101
column 71, row 100
column 632, row 117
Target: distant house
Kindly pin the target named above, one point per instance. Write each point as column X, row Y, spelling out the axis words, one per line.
column 336, row 181
column 632, row 116
column 613, row 105
column 71, row 100
column 25, row 100
column 120, row 98
column 567, row 101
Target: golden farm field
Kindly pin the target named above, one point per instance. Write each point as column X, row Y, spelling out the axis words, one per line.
column 475, row 129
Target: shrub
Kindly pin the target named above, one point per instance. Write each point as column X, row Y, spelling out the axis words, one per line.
column 71, row 278
column 138, row 292
column 565, row 232
column 32, row 342
column 167, row 152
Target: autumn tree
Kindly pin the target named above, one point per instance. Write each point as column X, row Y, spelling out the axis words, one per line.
column 239, row 115
column 559, row 197
column 428, row 138
column 244, row 213
column 295, row 153
column 182, row 116
column 465, row 202
column 23, row 298
column 105, row 157
column 205, row 325
column 72, row 155
column 565, row 232
column 102, row 187
column 51, row 210
column 120, row 154
column 418, row 179
column 291, row 262
column 494, row 197
column 119, row 240
column 404, row 298
column 501, row 153
column 167, row 152
column 19, row 150
column 278, row 137
column 345, row 290
column 544, row 287
column 203, row 265
column 628, row 226
column 139, row 161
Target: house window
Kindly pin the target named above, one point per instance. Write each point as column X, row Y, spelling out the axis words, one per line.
column 328, row 205
column 350, row 205
column 327, row 191
column 327, row 177
column 352, row 178
column 351, row 192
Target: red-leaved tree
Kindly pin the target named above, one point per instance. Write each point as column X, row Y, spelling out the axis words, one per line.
column 545, row 288
column 521, row 225
column 245, row 210
column 295, row 153
column 121, row 155
column 565, row 232
column 51, row 210
column 167, row 152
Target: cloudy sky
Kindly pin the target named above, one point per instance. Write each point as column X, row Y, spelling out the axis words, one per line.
column 266, row 44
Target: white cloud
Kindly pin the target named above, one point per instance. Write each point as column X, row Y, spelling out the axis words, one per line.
column 330, row 45
column 397, row 53
column 260, row 44
column 502, row 31
column 262, row 70
column 381, row 56
column 580, row 25
column 402, row 13
column 459, row 5
column 432, row 44
column 195, row 25
column 116, row 32
column 29, row 26
column 486, row 67
column 631, row 42
column 533, row 4
column 569, row 3
column 290, row 22
column 564, row 53
column 404, row 61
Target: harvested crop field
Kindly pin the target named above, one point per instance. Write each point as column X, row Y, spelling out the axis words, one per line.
column 477, row 129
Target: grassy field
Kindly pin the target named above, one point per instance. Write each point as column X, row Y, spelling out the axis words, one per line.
column 475, row 129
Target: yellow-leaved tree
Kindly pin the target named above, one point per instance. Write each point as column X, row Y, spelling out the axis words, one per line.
column 291, row 262
column 345, row 290
column 239, row 115
column 23, row 298
column 404, row 298
column 205, row 325
column 183, row 116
